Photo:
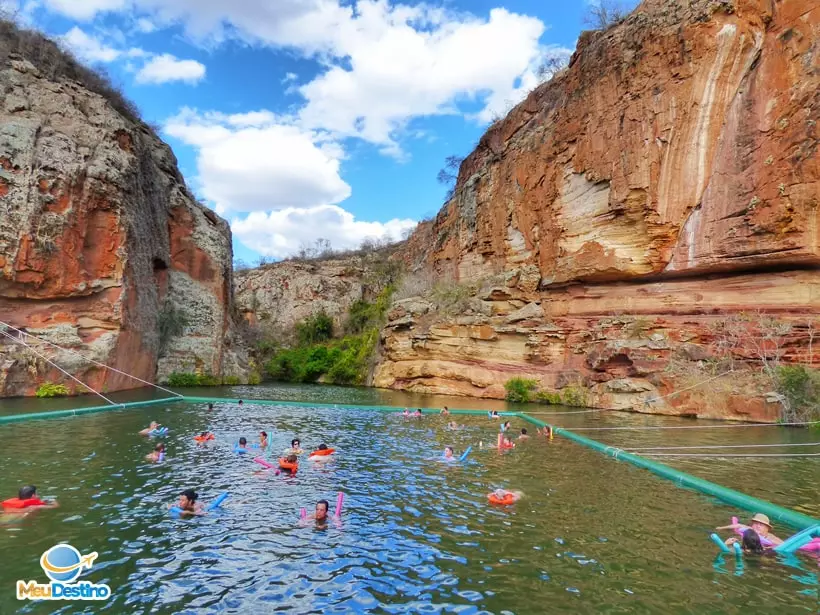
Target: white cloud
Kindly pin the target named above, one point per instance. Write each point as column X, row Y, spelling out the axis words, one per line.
column 88, row 48
column 84, row 10
column 165, row 68
column 385, row 63
column 146, row 26
column 256, row 162
column 281, row 233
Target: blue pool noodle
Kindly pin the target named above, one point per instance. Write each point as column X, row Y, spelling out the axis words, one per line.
column 792, row 544
column 465, row 453
column 716, row 539
column 738, row 550
column 218, row 501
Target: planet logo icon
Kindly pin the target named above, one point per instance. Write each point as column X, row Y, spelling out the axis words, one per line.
column 64, row 564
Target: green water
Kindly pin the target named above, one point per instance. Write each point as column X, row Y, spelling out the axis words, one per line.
column 591, row 534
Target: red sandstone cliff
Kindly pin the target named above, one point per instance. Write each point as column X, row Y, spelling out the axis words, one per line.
column 669, row 177
column 100, row 240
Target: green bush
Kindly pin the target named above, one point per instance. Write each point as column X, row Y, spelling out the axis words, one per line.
column 183, row 379
column 552, row 398
column 231, row 381
column 254, row 378
column 574, row 396
column 801, row 388
column 171, row 323
column 520, row 389
column 315, row 329
column 49, row 389
column 189, row 379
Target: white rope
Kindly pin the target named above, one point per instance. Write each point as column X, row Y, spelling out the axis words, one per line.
column 647, row 427
column 719, row 456
column 682, row 448
column 113, row 369
column 52, row 363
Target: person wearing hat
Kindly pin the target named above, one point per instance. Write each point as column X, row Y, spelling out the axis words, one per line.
column 761, row 525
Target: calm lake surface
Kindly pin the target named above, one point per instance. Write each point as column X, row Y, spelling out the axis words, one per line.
column 591, row 535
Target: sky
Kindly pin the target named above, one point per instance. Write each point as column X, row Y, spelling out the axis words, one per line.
column 304, row 119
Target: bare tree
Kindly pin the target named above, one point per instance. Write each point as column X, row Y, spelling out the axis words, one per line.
column 552, row 66
column 603, row 14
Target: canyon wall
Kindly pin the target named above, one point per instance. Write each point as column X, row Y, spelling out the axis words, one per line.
column 610, row 224
column 103, row 249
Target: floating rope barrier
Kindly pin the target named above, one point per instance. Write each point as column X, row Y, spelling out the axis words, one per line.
column 656, row 427
column 719, row 456
column 53, row 364
column 682, row 448
column 82, row 356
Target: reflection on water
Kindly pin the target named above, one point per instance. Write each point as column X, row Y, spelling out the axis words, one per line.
column 417, row 536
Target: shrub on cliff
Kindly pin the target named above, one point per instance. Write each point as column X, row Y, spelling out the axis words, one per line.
column 800, row 388
column 50, row 389
column 315, row 329
column 520, row 389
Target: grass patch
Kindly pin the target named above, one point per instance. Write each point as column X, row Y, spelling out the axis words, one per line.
column 190, row 379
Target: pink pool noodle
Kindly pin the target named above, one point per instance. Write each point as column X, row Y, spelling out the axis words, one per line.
column 340, row 499
column 302, row 514
column 263, row 463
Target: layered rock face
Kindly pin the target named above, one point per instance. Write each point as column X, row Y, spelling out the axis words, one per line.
column 283, row 294
column 102, row 247
column 669, row 177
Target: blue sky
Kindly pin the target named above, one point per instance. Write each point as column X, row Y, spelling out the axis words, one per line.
column 300, row 119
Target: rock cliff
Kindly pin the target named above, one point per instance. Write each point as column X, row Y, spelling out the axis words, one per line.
column 103, row 249
column 613, row 221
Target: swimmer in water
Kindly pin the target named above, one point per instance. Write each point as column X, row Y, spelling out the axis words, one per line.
column 321, row 517
column 321, row 456
column 505, row 496
column 188, row 503
column 243, row 444
column 749, row 542
column 158, row 453
column 26, row 501
column 263, row 439
column 204, row 437
column 760, row 524
column 505, row 426
column 210, row 407
column 406, row 412
column 494, row 414
column 417, row 413
column 524, row 435
column 295, row 448
column 452, row 425
column 240, row 402
column 445, row 411
column 448, row 453
column 154, row 425
column 546, row 432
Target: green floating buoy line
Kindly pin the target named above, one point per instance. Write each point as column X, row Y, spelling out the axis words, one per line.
column 682, row 479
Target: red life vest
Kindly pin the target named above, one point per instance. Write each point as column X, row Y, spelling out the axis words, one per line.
column 18, row 503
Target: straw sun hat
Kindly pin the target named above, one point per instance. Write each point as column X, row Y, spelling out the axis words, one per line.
column 761, row 518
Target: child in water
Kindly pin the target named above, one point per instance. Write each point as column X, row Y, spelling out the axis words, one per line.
column 188, row 503
column 504, row 496
column 505, row 426
column 158, row 453
column 263, row 439
column 295, row 447
column 154, row 425
column 452, row 425
column 417, row 413
column 750, row 542
column 494, row 414
column 243, row 445
column 26, row 500
column 204, row 437
column 524, row 435
column 445, row 411
column 448, row 453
